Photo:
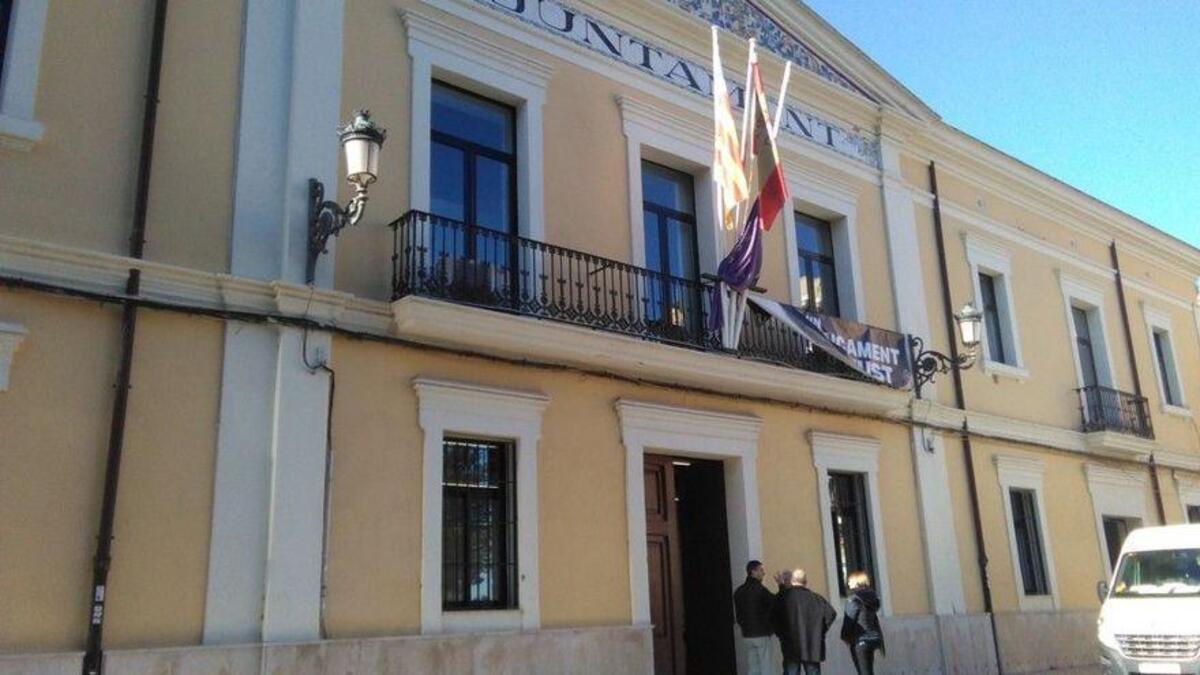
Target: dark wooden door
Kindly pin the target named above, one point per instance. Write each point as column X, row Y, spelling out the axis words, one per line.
column 663, row 563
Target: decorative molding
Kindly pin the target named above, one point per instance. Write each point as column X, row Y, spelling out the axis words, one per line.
column 748, row 21
column 1159, row 321
column 448, row 408
column 439, row 50
column 729, row 437
column 1076, row 292
column 19, row 130
column 988, row 257
column 599, row 46
column 856, row 454
column 1025, row 473
column 1022, row 472
column 447, row 324
column 1188, row 488
column 11, row 337
column 1115, row 493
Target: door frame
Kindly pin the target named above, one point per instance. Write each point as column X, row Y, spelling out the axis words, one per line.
column 651, row 428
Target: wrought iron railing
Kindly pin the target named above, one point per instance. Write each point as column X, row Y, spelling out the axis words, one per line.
column 448, row 259
column 1108, row 409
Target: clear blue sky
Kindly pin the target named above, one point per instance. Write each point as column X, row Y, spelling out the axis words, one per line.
column 1102, row 95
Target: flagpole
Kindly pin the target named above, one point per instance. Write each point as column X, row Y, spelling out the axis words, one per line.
column 787, row 75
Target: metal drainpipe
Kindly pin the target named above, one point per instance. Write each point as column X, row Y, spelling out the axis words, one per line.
column 1137, row 379
column 93, row 658
column 960, row 401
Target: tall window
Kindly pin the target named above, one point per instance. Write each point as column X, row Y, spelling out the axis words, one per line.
column 1165, row 359
column 1193, row 513
column 1087, row 350
column 472, row 175
column 1028, row 534
column 992, row 318
column 669, row 226
column 5, row 15
column 1115, row 531
column 818, row 274
column 851, row 526
column 479, row 529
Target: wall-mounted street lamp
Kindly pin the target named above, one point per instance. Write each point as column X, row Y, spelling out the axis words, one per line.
column 361, row 140
column 927, row 362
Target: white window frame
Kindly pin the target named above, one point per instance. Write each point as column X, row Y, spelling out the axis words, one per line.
column 1158, row 321
column 986, row 257
column 1078, row 293
column 674, row 140
column 11, row 337
column 448, row 408
column 818, row 196
column 1115, row 493
column 851, row 454
column 442, row 52
column 1188, row 488
column 19, row 129
column 1024, row 473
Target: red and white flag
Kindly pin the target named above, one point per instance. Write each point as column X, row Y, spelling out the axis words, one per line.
column 768, row 186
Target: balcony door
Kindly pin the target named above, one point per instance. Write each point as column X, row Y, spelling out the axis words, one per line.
column 669, row 224
column 473, row 185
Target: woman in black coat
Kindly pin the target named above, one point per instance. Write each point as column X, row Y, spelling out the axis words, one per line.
column 860, row 623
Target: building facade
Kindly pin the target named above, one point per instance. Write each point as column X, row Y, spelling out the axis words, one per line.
column 496, row 435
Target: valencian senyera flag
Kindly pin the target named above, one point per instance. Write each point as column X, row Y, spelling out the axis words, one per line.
column 728, row 173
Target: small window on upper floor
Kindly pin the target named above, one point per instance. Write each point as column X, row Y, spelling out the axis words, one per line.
column 1164, row 357
column 1193, row 513
column 818, row 270
column 992, row 319
column 5, row 15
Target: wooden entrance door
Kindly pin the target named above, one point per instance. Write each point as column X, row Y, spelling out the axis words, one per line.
column 663, row 563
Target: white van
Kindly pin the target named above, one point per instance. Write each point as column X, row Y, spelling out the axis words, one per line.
column 1150, row 613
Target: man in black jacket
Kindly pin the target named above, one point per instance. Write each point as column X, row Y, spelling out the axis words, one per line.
column 752, row 604
column 801, row 618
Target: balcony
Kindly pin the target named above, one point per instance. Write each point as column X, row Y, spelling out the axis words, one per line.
column 1116, row 423
column 442, row 259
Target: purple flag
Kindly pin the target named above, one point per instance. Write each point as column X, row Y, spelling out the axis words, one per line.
column 740, row 269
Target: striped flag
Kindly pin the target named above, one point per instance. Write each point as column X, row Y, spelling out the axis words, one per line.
column 769, row 183
column 728, row 173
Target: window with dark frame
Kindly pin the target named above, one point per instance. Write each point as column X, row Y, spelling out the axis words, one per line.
column 818, row 271
column 479, row 529
column 1115, row 530
column 1193, row 513
column 852, row 543
column 1027, row 532
column 1163, row 356
column 991, row 319
column 1087, row 353
column 472, row 179
column 5, row 21
column 669, row 228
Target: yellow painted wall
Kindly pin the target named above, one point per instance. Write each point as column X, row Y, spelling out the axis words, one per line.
column 374, row 567
column 54, row 424
column 76, row 186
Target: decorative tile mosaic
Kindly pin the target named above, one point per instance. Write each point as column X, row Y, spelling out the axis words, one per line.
column 743, row 18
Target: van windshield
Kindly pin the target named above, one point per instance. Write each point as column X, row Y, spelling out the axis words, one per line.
column 1158, row 573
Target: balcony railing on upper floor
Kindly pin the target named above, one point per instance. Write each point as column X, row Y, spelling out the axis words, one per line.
column 1107, row 409
column 450, row 260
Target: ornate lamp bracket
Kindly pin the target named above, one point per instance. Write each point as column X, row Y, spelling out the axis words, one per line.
column 927, row 363
column 326, row 218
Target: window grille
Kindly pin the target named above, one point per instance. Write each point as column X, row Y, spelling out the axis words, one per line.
column 1029, row 542
column 852, row 541
column 479, row 529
